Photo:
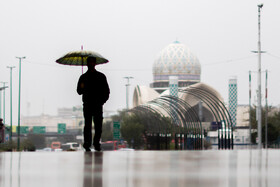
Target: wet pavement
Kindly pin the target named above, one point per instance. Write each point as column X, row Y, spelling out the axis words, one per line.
column 141, row 168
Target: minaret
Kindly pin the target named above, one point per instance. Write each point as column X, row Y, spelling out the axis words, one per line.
column 173, row 86
column 232, row 100
column 173, row 91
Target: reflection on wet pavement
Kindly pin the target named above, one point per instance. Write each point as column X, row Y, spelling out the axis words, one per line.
column 141, row 168
column 93, row 163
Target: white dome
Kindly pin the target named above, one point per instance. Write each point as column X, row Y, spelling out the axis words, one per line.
column 176, row 60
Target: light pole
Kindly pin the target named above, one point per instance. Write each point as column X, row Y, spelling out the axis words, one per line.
column 250, row 109
column 127, row 91
column 259, row 79
column 1, row 88
column 19, row 100
column 1, row 102
column 4, row 98
column 259, row 95
column 266, row 109
column 11, row 100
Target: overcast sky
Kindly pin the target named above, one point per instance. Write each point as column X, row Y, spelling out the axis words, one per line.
column 130, row 34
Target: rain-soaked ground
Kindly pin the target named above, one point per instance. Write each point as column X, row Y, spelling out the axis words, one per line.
column 141, row 168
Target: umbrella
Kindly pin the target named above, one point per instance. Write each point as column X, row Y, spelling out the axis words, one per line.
column 78, row 58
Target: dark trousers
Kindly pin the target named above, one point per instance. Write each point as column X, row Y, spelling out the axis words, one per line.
column 95, row 113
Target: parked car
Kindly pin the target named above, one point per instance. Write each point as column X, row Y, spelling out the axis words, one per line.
column 56, row 145
column 47, row 149
column 71, row 146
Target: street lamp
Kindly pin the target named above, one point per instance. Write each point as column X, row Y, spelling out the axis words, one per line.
column 11, row 101
column 0, row 102
column 266, row 109
column 250, row 109
column 4, row 98
column 259, row 109
column 127, row 90
column 19, row 100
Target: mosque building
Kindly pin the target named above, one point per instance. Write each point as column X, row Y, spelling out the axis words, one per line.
column 176, row 63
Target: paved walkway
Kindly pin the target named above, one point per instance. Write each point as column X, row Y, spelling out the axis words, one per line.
column 141, row 168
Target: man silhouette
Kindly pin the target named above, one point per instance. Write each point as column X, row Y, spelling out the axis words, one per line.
column 95, row 90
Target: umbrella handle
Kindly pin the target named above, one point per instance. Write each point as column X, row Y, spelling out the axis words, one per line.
column 82, row 48
column 82, row 65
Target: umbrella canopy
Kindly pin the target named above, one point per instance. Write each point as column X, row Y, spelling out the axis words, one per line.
column 79, row 58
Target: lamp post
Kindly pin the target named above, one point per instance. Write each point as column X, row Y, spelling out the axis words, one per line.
column 4, row 98
column 11, row 101
column 266, row 109
column 259, row 95
column 127, row 91
column 0, row 102
column 259, row 79
column 19, row 100
column 250, row 109
column 1, row 88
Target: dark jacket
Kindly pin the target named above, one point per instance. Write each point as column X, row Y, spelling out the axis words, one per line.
column 96, row 89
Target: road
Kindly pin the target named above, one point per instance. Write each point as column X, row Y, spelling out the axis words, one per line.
column 141, row 168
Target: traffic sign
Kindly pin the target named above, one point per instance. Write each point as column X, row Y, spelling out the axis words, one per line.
column 116, row 130
column 23, row 129
column 61, row 128
column 39, row 129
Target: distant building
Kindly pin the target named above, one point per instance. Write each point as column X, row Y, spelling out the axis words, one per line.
column 72, row 117
column 242, row 116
